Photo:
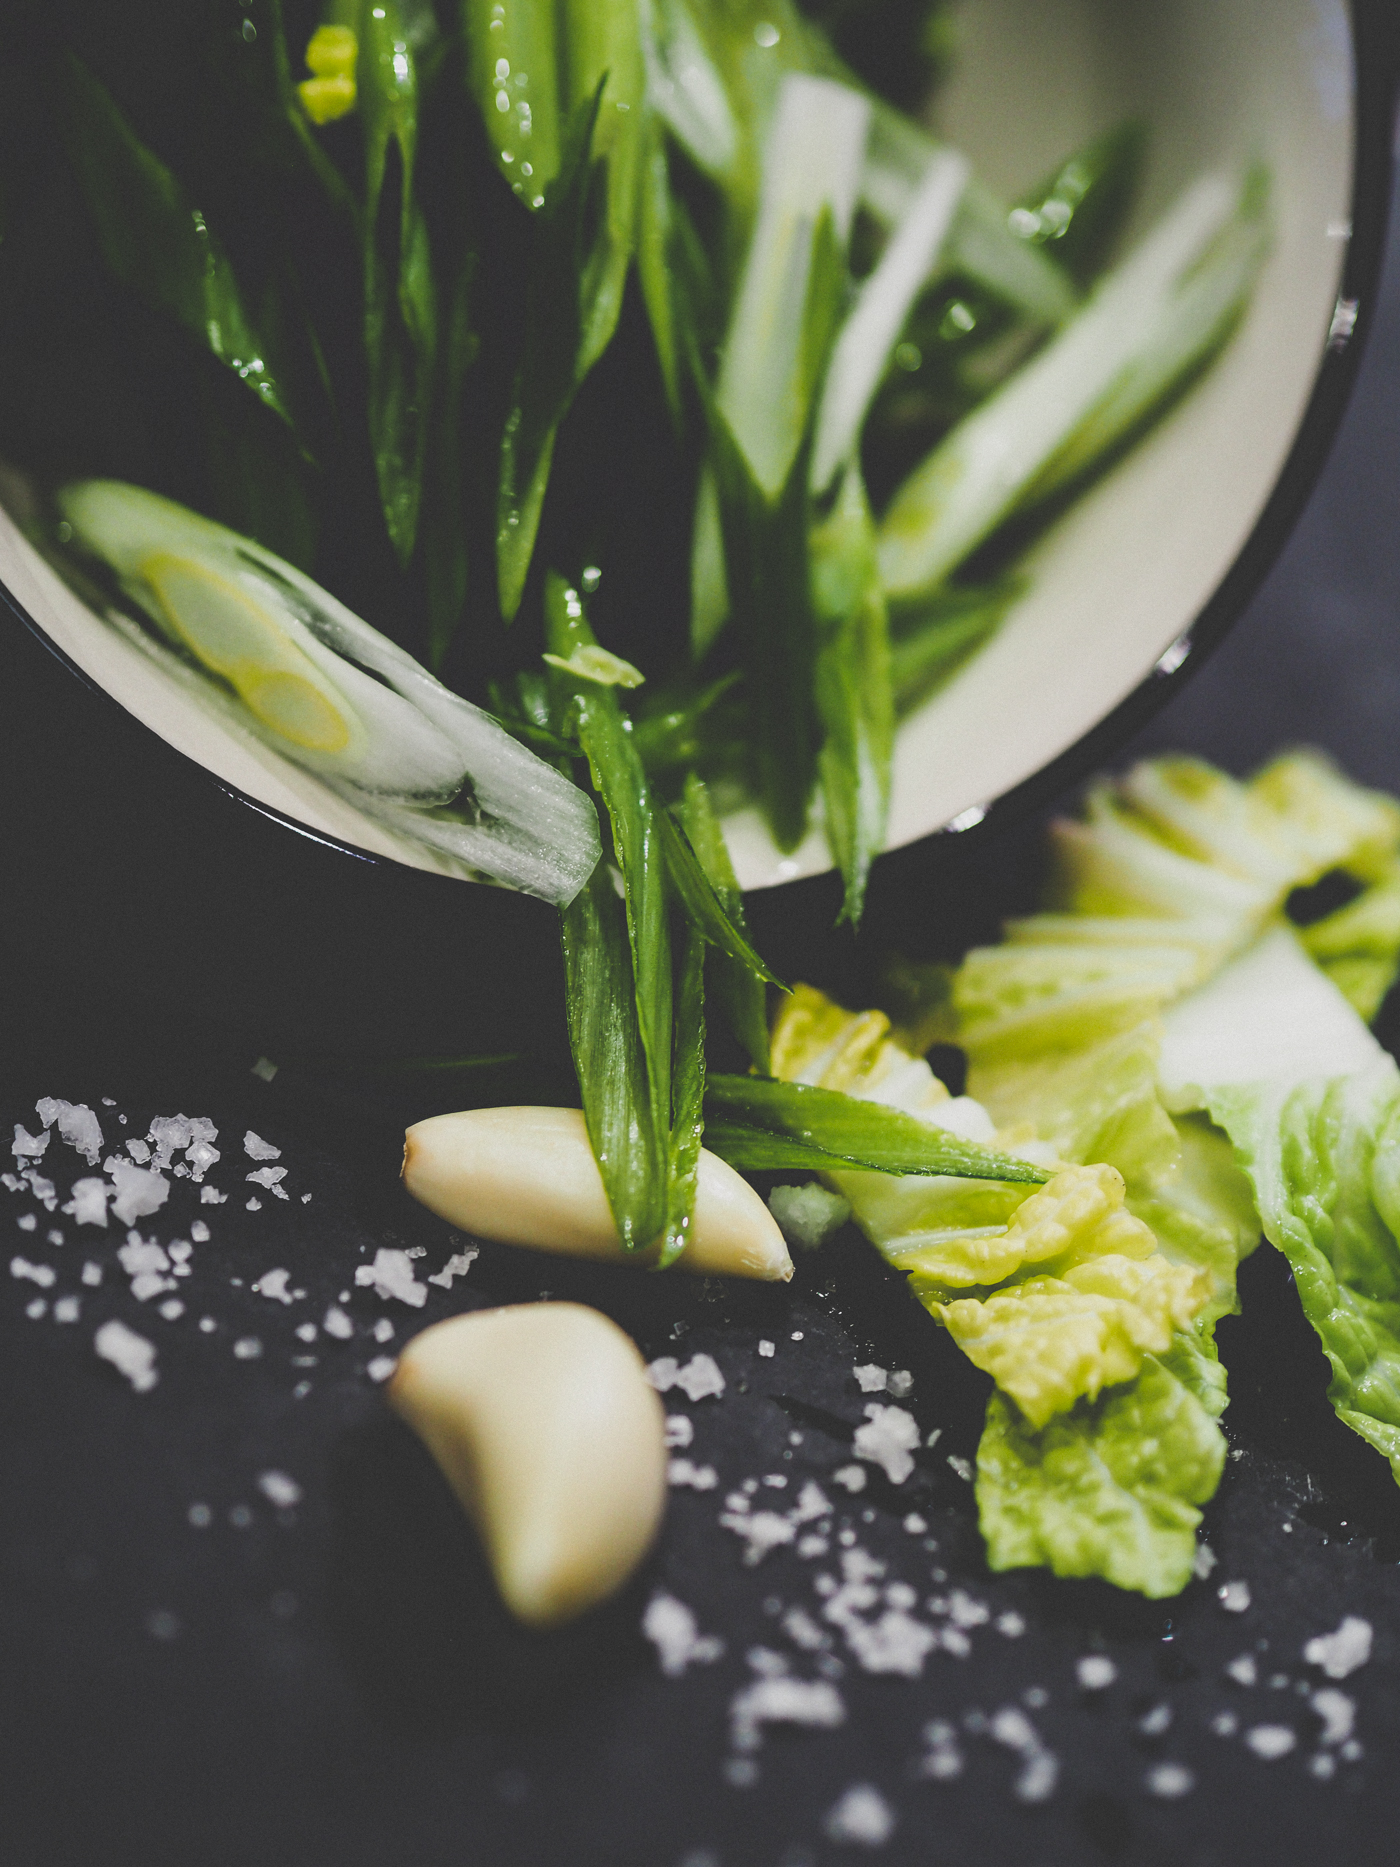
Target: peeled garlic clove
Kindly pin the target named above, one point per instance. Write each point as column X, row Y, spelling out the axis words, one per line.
column 545, row 1426
column 527, row 1176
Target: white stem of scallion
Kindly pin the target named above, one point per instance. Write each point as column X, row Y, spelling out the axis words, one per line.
column 986, row 465
column 812, row 165
column 879, row 314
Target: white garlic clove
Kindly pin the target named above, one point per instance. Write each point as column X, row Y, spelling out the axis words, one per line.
column 545, row 1426
column 527, row 1176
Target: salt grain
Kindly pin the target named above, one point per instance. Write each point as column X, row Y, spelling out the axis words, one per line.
column 270, row 1179
column 672, row 1629
column 850, row 1477
column 391, row 1275
column 1040, row 1768
column 29, row 1146
column 1156, row 1722
column 870, row 1379
column 383, row 1330
column 1225, row 1724
column 762, row 1531
column 273, row 1284
column 279, row 1489
column 888, row 1439
column 1341, row 1652
column 66, row 1309
column 27, row 1222
column 1243, row 1670
column 41, row 1274
column 199, row 1232
column 92, row 1273
column 1270, row 1741
column 87, row 1204
column 1337, row 1712
column 1234, row 1597
column 861, row 1818
column 697, row 1477
column 814, row 1703
column 257, row 1149
column 944, row 1759
column 1169, row 1780
column 172, row 1310
column 680, row 1429
column 1095, row 1672
column 766, row 1348
column 37, row 1309
column 200, row 1516
column 381, row 1367
column 140, row 1191
column 130, row 1354
column 699, row 1379
column 1010, row 1624
column 456, row 1266
column 247, row 1348
column 335, row 1322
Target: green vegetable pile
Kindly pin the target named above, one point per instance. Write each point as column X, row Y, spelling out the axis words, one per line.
column 675, row 299
column 1192, row 1066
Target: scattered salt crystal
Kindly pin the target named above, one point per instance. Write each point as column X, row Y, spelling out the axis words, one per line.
column 301, row 1390
column 1169, row 1780
column 200, row 1516
column 77, row 1125
column 381, row 1367
column 888, row 1439
column 247, row 1348
column 240, row 1516
column 1270, row 1741
column 211, row 1196
column 1206, row 1560
column 257, row 1149
column 944, row 1760
column 27, row 1222
column 796, row 1336
column 803, row 1631
column 680, row 1429
column 305, row 1332
column 29, row 1146
column 1095, row 1672
column 965, row 1610
column 895, row 1643
column 207, row 1325
column 862, row 1818
column 201, row 1157
column 199, row 1232
column 15, row 1185
column 698, row 1379
column 914, row 1524
column 42, row 1189
column 92, row 1273
column 1323, row 1766
column 1040, row 1768
column 269, row 1178
column 161, row 1624
column 140, row 1191
column 130, row 1354
column 263, row 1068
column 812, row 1503
column 1243, row 1670
column 1225, row 1724
column 851, row 1477
column 762, row 1531
column 775, row 1481
column 698, row 1477
column 179, row 1251
column 66, row 1309
column 870, row 1379
column 391, row 1274
column 808, row 1215
column 138, row 1150
column 1010, row 1624
column 814, row 1703
column 306, row 1199
column 1337, row 1712
column 335, row 1322
column 766, row 1347
column 172, row 1310
column 456, row 1266
column 36, row 1309
column 1234, row 1597
column 279, row 1489
column 54, row 1236
column 41, row 1274
column 961, row 1467
column 1341, row 1652
column 1157, row 1721
column 672, row 1629
column 899, row 1383
column 273, row 1284
column 253, row 1205
column 813, row 1545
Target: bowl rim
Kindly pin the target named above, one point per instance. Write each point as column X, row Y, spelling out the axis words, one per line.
column 1375, row 48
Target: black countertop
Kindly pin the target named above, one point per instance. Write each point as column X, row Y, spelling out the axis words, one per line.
column 193, row 1667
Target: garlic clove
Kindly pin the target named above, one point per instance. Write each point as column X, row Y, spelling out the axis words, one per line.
column 527, row 1176
column 544, row 1424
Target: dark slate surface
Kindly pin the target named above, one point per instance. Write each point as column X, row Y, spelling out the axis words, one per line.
column 331, row 1683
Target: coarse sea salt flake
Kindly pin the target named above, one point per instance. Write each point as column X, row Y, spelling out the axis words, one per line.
column 698, row 1477
column 29, row 1146
column 273, row 1284
column 673, row 1630
column 680, row 1430
column 1341, row 1652
column 130, row 1354
column 888, row 1439
column 66, row 1309
column 861, row 1818
column 140, row 1191
column 279, row 1489
column 1169, row 1780
column 335, row 1322
column 850, row 1477
column 269, row 1178
column 1234, row 1597
column 1095, row 1672
column 257, row 1149
column 456, row 1266
column 381, row 1367
column 870, row 1379
column 1271, row 1741
column 762, row 1531
column 814, row 1703
column 1337, row 1712
column 41, row 1274
column 699, row 1379
column 391, row 1274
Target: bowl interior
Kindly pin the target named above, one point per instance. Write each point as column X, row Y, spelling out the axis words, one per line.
column 1124, row 573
